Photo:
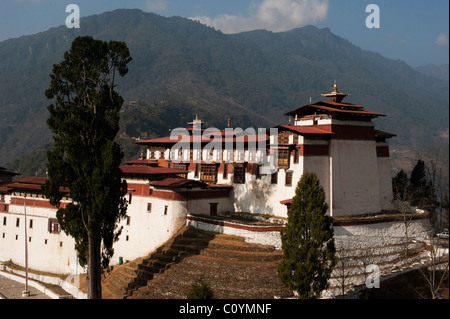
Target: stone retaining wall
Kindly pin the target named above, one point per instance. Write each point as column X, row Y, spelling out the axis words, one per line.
column 357, row 234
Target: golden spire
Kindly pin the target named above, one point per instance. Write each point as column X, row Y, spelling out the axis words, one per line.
column 335, row 96
column 198, row 123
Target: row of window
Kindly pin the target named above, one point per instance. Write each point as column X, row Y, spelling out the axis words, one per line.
column 149, row 209
column 53, row 225
column 283, row 156
column 46, row 240
column 239, row 155
column 29, row 239
column 209, row 174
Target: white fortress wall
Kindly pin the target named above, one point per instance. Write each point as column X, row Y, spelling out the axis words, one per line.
column 355, row 180
column 145, row 230
column 51, row 251
column 385, row 180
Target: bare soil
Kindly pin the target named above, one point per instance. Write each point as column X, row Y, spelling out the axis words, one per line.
column 233, row 268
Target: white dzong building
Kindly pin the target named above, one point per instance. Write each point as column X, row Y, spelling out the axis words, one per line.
column 336, row 140
column 200, row 171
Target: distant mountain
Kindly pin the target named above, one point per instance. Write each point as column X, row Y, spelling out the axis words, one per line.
column 181, row 68
column 437, row 71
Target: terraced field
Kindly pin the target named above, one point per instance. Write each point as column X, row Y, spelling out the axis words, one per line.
column 235, row 269
column 232, row 267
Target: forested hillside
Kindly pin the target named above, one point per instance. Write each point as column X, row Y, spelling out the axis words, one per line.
column 181, row 68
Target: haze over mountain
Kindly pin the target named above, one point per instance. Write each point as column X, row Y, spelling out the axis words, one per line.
column 181, row 68
column 437, row 71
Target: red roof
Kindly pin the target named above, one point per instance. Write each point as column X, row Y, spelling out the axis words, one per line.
column 287, row 201
column 335, row 110
column 4, row 189
column 161, row 140
column 177, row 182
column 32, row 180
column 305, row 129
column 23, row 186
column 336, row 104
column 35, row 183
column 31, row 183
column 333, row 107
column 226, row 137
column 146, row 162
column 149, row 170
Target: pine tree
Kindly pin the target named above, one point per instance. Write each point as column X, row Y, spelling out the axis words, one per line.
column 84, row 119
column 418, row 183
column 400, row 185
column 421, row 189
column 307, row 242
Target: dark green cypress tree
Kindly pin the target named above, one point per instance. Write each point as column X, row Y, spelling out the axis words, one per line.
column 421, row 189
column 307, row 242
column 400, row 185
column 418, row 183
column 84, row 119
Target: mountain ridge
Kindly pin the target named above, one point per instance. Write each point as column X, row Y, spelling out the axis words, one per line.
column 181, row 68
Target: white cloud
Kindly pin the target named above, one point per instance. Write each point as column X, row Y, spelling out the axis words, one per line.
column 442, row 40
column 395, row 39
column 155, row 5
column 272, row 15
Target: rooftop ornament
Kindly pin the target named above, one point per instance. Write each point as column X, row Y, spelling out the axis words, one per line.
column 335, row 96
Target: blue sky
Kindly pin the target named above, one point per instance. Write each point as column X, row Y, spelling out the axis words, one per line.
column 416, row 31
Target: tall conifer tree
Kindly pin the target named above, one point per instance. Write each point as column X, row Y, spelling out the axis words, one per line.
column 84, row 119
column 421, row 188
column 307, row 242
column 400, row 185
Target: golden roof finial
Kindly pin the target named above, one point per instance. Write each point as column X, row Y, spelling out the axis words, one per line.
column 335, row 96
column 197, row 122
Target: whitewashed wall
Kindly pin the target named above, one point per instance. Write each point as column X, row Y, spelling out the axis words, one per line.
column 142, row 233
column 145, row 230
column 385, row 183
column 53, row 252
column 354, row 178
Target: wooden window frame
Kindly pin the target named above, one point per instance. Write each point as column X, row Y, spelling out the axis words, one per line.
column 288, row 178
column 208, row 173
column 283, row 157
column 274, row 178
column 239, row 173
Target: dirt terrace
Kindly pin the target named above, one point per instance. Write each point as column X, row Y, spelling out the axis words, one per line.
column 233, row 268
